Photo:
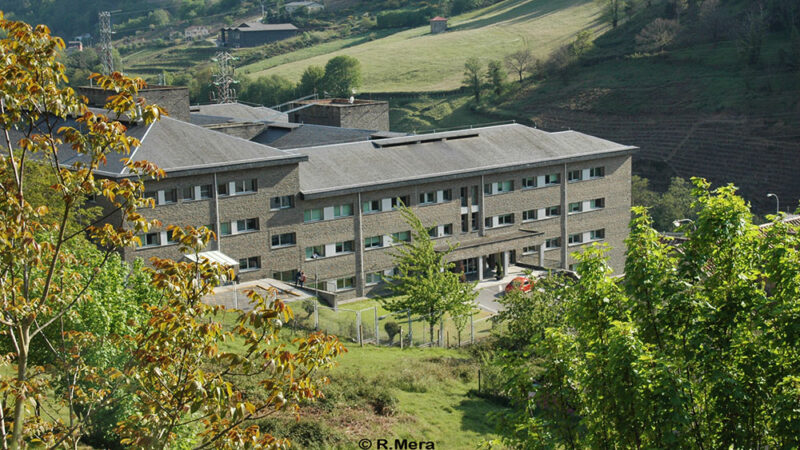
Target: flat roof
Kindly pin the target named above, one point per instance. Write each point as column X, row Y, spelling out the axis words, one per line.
column 383, row 163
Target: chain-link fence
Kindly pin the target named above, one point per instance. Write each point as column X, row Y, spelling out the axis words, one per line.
column 375, row 326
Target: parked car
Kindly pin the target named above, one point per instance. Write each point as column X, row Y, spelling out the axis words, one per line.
column 523, row 284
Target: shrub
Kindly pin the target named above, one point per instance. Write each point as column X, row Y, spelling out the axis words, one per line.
column 304, row 433
column 392, row 328
column 657, row 35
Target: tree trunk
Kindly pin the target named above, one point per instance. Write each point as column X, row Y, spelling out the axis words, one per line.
column 19, row 401
column 430, row 328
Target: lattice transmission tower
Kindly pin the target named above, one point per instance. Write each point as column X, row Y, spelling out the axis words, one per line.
column 106, row 57
column 223, row 82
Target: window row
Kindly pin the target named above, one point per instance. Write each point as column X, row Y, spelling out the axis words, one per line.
column 328, row 213
column 572, row 239
column 202, row 192
column 550, row 179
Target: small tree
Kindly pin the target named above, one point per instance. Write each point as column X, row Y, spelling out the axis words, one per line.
column 521, row 62
column 496, row 77
column 751, row 37
column 612, row 10
column 473, row 77
column 657, row 35
column 342, row 76
column 424, row 283
column 311, row 81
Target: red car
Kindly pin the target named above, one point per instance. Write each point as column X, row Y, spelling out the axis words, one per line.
column 523, row 284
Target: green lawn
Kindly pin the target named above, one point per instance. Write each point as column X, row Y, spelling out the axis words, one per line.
column 415, row 60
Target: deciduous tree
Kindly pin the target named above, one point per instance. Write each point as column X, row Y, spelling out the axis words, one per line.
column 521, row 62
column 342, row 76
column 473, row 77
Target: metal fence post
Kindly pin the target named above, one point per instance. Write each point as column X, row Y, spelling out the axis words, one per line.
column 441, row 331
column 235, row 297
column 410, row 335
column 358, row 325
column 316, row 314
column 472, row 328
column 377, row 336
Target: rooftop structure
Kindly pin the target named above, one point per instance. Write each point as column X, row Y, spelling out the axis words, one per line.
column 252, row 34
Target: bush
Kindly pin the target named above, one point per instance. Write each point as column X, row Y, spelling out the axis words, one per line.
column 304, row 433
column 392, row 328
column 657, row 35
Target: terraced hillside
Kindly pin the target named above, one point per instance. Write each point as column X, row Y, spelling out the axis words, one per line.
column 415, row 60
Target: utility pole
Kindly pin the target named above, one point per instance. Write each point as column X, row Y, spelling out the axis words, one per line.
column 106, row 57
column 223, row 79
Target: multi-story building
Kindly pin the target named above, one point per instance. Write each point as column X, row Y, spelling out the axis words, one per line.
column 501, row 194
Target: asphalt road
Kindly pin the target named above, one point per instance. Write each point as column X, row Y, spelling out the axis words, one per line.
column 488, row 296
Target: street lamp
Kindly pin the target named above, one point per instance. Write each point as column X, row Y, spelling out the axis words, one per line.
column 777, row 202
column 316, row 273
column 680, row 222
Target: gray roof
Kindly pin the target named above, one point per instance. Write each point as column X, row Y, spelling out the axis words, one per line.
column 258, row 26
column 295, row 135
column 354, row 167
column 180, row 148
column 234, row 112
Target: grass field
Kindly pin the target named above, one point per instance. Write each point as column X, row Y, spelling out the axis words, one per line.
column 415, row 60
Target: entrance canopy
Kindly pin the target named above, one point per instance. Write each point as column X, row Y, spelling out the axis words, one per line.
column 214, row 256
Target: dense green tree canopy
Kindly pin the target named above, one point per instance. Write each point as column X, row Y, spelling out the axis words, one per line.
column 695, row 347
column 342, row 76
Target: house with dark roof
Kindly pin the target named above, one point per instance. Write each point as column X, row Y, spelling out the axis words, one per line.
column 501, row 194
column 253, row 34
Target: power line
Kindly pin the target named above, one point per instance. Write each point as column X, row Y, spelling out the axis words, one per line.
column 106, row 57
column 223, row 91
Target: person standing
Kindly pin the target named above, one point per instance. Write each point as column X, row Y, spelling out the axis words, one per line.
column 297, row 277
column 302, row 278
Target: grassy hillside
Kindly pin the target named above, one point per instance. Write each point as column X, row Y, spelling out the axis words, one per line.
column 415, row 60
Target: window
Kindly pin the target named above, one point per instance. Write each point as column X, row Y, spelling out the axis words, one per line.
column 487, row 189
column 152, row 194
column 487, row 222
column 447, row 230
column 505, row 219
column 373, row 278
column 222, row 189
column 433, row 232
column 597, row 203
column 344, row 247
column 552, row 211
column 597, row 235
column 529, row 215
column 170, row 196
column 552, row 243
column 403, row 200
column 246, row 225
column 248, row 264
column 575, row 207
column 151, row 240
column 188, row 193
column 371, row 206
column 447, row 195
column 343, row 284
column 312, row 215
column 505, row 186
column 465, row 223
column 317, row 251
column 206, row 191
column 474, row 195
column 576, row 238
column 283, row 240
column 403, row 236
column 286, row 275
column 373, row 242
column 464, row 193
column 225, row 228
column 345, row 210
column 282, row 202
column 475, row 222
column 242, row 186
column 531, row 249
column 552, row 178
column 597, row 172
column 575, row 175
column 529, row 183
column 171, row 237
column 427, row 198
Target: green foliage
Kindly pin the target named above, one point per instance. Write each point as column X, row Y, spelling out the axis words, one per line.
column 694, row 348
column 305, row 433
column 342, row 76
column 311, row 81
column 404, row 18
column 267, row 90
column 473, row 77
column 496, row 77
column 664, row 208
